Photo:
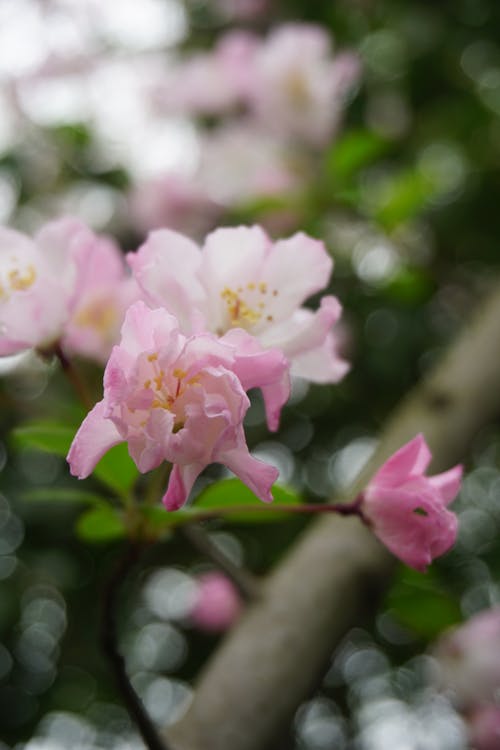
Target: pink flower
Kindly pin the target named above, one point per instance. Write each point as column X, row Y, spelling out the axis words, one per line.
column 468, row 660
column 407, row 510
column 103, row 292
column 67, row 285
column 211, row 82
column 217, row 603
column 484, row 727
column 175, row 201
column 240, row 279
column 240, row 163
column 180, row 400
column 299, row 88
column 37, row 278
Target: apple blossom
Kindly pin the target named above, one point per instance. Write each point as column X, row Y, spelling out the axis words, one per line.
column 66, row 286
column 103, row 291
column 240, row 279
column 407, row 510
column 239, row 163
column 210, row 82
column 180, row 400
column 37, row 281
column 299, row 88
column 217, row 603
column 175, row 201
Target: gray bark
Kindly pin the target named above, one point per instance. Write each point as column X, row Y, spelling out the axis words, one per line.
column 267, row 665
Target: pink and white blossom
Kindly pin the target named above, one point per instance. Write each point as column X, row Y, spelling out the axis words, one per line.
column 240, row 163
column 210, row 83
column 217, row 603
column 37, row 282
column 240, row 279
column 66, row 286
column 407, row 510
column 176, row 201
column 102, row 293
column 299, row 87
column 182, row 400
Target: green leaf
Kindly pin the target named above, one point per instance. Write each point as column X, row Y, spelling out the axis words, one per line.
column 420, row 603
column 404, row 197
column 62, row 495
column 352, row 152
column 229, row 493
column 117, row 470
column 102, row 524
column 49, row 437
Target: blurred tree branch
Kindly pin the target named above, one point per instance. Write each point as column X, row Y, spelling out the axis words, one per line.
column 268, row 664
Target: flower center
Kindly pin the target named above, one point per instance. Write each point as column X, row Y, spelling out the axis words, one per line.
column 100, row 315
column 17, row 280
column 246, row 306
column 167, row 388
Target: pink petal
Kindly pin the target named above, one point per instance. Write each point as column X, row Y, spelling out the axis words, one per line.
column 256, row 474
column 180, row 484
column 448, row 483
column 304, row 330
column 411, row 521
column 166, row 268
column 298, row 266
column 321, row 365
column 94, row 438
column 410, row 460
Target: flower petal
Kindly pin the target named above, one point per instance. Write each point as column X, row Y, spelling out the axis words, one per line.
column 448, row 483
column 410, row 460
column 96, row 435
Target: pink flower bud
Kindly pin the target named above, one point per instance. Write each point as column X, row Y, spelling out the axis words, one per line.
column 217, row 603
column 407, row 510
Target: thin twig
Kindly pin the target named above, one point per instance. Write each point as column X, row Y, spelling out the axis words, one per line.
column 74, row 378
column 244, row 581
column 109, row 644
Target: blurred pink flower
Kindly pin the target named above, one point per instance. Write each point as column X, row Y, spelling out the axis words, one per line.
column 241, row 10
column 210, row 83
column 468, row 660
column 299, row 88
column 240, row 163
column 38, row 282
column 175, row 201
column 240, row 279
column 407, row 510
column 217, row 603
column 484, row 727
column 180, row 400
column 103, row 292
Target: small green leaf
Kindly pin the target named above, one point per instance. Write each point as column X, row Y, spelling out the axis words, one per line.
column 117, row 470
column 62, row 495
column 50, row 437
column 103, row 524
column 419, row 602
column 229, row 493
column 352, row 152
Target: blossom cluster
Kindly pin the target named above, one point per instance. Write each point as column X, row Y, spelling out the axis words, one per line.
column 273, row 108
column 187, row 332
